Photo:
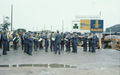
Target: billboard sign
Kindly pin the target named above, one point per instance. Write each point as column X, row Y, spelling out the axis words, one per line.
column 84, row 24
column 96, row 26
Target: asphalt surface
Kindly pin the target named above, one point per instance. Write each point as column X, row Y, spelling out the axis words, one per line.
column 105, row 61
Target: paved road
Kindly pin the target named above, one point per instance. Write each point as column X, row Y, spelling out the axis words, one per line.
column 106, row 61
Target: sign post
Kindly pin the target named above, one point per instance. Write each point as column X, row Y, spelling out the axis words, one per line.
column 97, row 27
column 100, row 44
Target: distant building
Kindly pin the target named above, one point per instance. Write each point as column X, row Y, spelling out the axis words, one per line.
column 115, row 28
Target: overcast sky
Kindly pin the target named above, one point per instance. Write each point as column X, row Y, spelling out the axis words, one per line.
column 40, row 14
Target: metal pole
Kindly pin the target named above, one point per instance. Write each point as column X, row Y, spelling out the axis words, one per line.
column 44, row 27
column 51, row 27
column 11, row 16
column 72, row 26
column 62, row 26
column 110, row 34
column 3, row 20
column 100, row 44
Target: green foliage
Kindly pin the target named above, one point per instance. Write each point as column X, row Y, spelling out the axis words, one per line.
column 21, row 30
column 5, row 26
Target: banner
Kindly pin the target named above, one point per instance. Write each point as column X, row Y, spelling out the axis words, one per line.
column 84, row 24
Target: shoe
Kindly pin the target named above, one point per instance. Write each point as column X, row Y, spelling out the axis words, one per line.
column 59, row 53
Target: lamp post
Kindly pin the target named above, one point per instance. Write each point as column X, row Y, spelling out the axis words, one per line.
column 62, row 26
column 11, row 16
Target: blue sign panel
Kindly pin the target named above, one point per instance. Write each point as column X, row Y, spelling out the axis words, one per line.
column 96, row 26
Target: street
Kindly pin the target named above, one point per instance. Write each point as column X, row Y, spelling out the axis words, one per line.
column 105, row 62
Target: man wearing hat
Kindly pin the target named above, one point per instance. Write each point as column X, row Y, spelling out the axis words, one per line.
column 90, row 42
column 25, row 42
column 68, row 39
column 0, row 39
column 57, row 42
column 46, row 42
column 5, row 43
column 15, row 41
column 30, row 44
column 94, row 42
column 62, row 41
column 52, row 42
column 85, row 42
column 74, row 42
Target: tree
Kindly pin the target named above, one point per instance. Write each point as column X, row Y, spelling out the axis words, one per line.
column 5, row 24
column 21, row 30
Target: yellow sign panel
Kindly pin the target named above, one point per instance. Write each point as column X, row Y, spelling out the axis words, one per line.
column 84, row 24
column 96, row 24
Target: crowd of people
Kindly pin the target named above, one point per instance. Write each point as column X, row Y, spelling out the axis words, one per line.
column 56, row 41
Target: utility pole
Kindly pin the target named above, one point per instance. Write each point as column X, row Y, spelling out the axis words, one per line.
column 110, row 34
column 3, row 20
column 44, row 27
column 100, row 44
column 11, row 16
column 51, row 27
column 62, row 26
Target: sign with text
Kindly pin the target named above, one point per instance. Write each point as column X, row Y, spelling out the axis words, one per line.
column 84, row 24
column 96, row 26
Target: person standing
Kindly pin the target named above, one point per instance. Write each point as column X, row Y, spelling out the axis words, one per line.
column 57, row 42
column 85, row 42
column 46, row 42
column 62, row 42
column 68, row 39
column 90, row 42
column 36, row 43
column 0, row 39
column 41, row 41
column 52, row 42
column 14, row 41
column 22, row 40
column 74, row 42
column 25, row 42
column 5, row 43
column 94, row 42
column 30, row 44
